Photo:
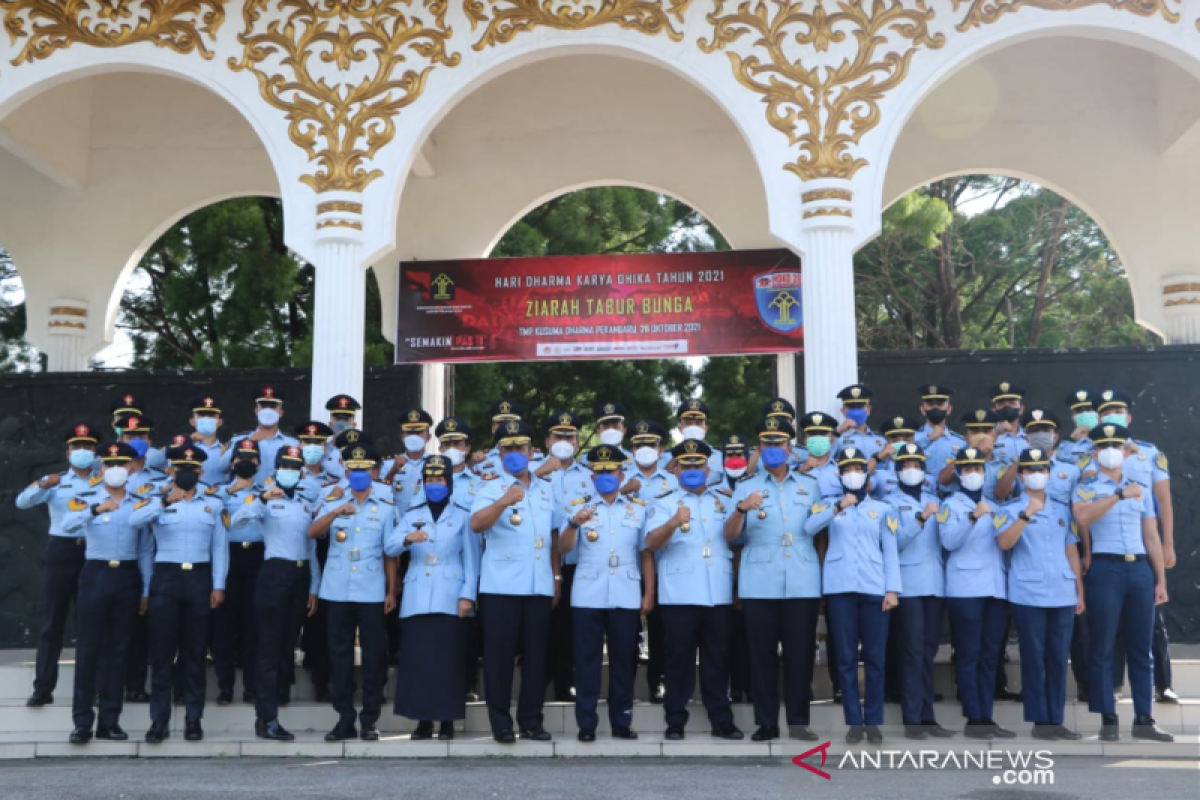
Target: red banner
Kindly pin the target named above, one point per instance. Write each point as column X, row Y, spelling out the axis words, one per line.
column 628, row 306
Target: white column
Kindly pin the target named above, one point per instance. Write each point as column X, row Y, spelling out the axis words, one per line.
column 434, row 397
column 1181, row 307
column 830, row 334
column 67, row 329
column 339, row 306
column 785, row 378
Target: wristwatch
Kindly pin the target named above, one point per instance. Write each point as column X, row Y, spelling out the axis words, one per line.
column 1023, row 516
column 1120, row 493
column 972, row 516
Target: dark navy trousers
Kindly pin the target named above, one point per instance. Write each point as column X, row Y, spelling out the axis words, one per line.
column 108, row 604
column 857, row 618
column 791, row 623
column 591, row 626
column 977, row 626
column 917, row 626
column 1044, row 635
column 1120, row 594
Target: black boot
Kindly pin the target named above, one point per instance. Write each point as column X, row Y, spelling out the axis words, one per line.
column 80, row 736
column 157, row 734
column 446, row 731
column 1144, row 728
column 272, row 730
column 978, row 729
column 998, row 732
column 802, row 732
column 1063, row 732
column 192, row 731
column 1110, row 730
column 424, row 730
column 112, row 733
column 874, row 735
column 1045, row 731
column 855, row 734
column 938, row 732
column 39, row 699
column 765, row 733
column 916, row 732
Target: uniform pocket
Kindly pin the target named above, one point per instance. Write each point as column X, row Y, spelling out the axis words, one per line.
column 586, row 573
column 678, row 568
column 1069, row 574
column 967, row 563
column 759, row 555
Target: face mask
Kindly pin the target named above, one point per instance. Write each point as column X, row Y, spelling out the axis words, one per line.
column 912, row 476
column 81, row 459
column 1035, row 481
column 735, row 472
column 1114, row 419
column 1087, row 419
column 140, row 446
column 853, row 481
column 115, row 477
column 563, row 451
column 187, row 479
column 819, row 445
column 206, row 426
column 360, row 480
column 692, row 478
column 936, row 416
column 1008, row 414
column 645, row 456
column 735, row 465
column 245, row 468
column 313, row 453
column 774, row 457
column 606, row 482
column 436, row 492
column 339, row 426
column 454, row 455
column 287, row 478
column 692, row 432
column 1110, row 457
column 858, row 416
column 1041, row 441
column 414, row 444
column 611, row 437
column 267, row 417
column 972, row 481
column 515, row 463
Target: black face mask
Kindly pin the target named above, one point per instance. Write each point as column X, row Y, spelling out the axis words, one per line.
column 936, row 416
column 1008, row 414
column 187, row 479
column 245, row 468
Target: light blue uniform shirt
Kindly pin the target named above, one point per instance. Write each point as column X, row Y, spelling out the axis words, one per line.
column 445, row 567
column 1078, row 452
column 658, row 482
column 1039, row 573
column 779, row 560
column 609, row 574
column 868, row 442
column 56, row 499
column 406, row 484
column 283, row 525
column 696, row 566
column 213, row 471
column 829, row 483
column 884, row 481
column 1120, row 530
column 187, row 532
column 566, row 485
column 250, row 530
column 111, row 536
column 976, row 567
column 862, row 554
column 267, row 449
column 922, row 567
column 939, row 453
column 1064, row 477
column 1009, row 446
column 354, row 567
column 314, row 487
column 517, row 555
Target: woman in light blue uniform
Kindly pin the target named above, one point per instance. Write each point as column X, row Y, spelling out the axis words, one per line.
column 861, row 583
column 439, row 595
column 1045, row 592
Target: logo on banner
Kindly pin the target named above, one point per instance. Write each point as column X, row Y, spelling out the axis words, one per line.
column 778, row 297
column 442, row 286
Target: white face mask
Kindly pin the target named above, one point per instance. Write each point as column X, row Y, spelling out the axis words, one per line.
column 414, row 443
column 735, row 473
column 116, row 477
column 692, row 432
column 562, row 450
column 611, row 437
column 913, row 476
column 1111, row 457
column 645, row 456
column 853, row 481
column 454, row 455
column 268, row 417
column 972, row 481
column 1035, row 481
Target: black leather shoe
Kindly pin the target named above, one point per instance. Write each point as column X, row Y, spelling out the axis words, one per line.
column 1110, row 730
column 369, row 734
column 765, row 733
column 538, row 734
column 113, row 733
column 1144, row 728
column 674, row 733
column 321, row 695
column 1063, row 732
column 916, row 732
column 1000, row 733
column 730, row 731
column 39, row 699
column 978, row 729
column 855, row 734
column 624, row 732
column 446, row 731
column 157, row 735
column 938, row 732
column 192, row 731
column 424, row 730
column 1167, row 695
column 225, row 698
column 272, row 730
column 136, row 696
column 586, row 735
column 1044, row 731
column 341, row 733
column 874, row 735
column 802, row 732
column 504, row 737
column 80, row 736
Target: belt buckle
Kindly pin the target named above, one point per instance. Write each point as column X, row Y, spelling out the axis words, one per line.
column 246, row 545
column 614, row 561
column 80, row 540
column 785, row 540
column 1130, row 557
column 431, row 559
column 300, row 564
column 114, row 564
column 186, row 567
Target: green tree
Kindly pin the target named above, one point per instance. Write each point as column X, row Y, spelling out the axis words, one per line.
column 735, row 390
column 15, row 353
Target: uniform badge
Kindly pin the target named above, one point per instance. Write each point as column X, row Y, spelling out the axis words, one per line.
column 75, row 504
column 1062, row 476
column 873, row 514
column 1160, row 461
column 1061, row 523
column 892, row 524
column 943, row 515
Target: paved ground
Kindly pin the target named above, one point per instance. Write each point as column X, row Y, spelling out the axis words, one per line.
column 691, row 779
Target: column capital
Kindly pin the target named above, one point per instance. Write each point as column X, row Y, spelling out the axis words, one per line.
column 66, row 329
column 826, row 203
column 339, row 218
column 1181, row 307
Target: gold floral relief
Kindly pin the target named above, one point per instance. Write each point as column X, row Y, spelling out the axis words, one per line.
column 985, row 12
column 509, row 18
column 48, row 26
column 342, row 70
column 823, row 106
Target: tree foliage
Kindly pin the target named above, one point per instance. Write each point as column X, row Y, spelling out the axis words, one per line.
column 15, row 353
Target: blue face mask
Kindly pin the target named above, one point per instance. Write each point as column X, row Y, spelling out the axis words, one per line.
column 206, row 426
column 339, row 425
column 287, row 478
column 313, row 453
column 774, row 456
column 360, row 480
column 858, row 416
column 515, row 463
column 606, row 482
column 1114, row 419
column 818, row 445
column 82, row 459
column 692, row 478
column 1087, row 419
column 436, row 492
column 140, row 446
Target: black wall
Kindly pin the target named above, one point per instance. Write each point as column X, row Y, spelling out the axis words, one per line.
column 36, row 410
column 1165, row 385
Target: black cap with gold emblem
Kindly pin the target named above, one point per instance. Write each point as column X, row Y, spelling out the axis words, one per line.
column 289, row 458
column 1113, row 398
column 605, row 459
column 779, row 407
column 858, row 394
column 935, row 392
column 1111, row 435
column 1033, row 457
column 270, row 395
column 246, row 448
column 1036, row 418
column 980, row 419
column 513, row 433
column 908, row 451
column 186, row 456
column 818, row 422
column 609, row 412
column 505, row 410
column 691, row 453
column 693, row 408
column 83, row 434
column 563, row 423
column 360, row 456
column 969, row 457
column 127, row 404
column 342, row 405
column 849, row 456
column 436, row 466
column 775, row 430
column 133, row 423
column 313, row 432
column 1080, row 400
column 415, row 420
column 351, row 437
column 206, row 404
column 452, row 429
column 647, row 431
column 734, row 446
column 1007, row 391
column 898, row 426
column 117, row 453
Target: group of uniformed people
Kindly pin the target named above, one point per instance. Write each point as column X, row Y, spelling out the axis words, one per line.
column 251, row 545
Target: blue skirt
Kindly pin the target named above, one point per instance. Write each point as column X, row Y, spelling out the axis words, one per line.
column 431, row 681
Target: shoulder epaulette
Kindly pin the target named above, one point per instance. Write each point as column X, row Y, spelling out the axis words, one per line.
column 95, row 480
column 250, row 498
column 419, row 505
column 386, row 501
column 144, row 488
column 748, row 476
column 336, row 494
column 210, row 491
column 639, row 501
column 664, row 494
column 141, row 504
column 489, row 477
column 330, row 482
column 464, row 508
column 578, row 501
column 725, row 490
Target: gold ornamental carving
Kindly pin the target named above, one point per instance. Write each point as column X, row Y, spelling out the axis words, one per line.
column 1176, row 288
column 824, row 107
column 826, row 194
column 510, row 18
column 339, row 205
column 985, row 12
column 342, row 70
column 52, row 25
